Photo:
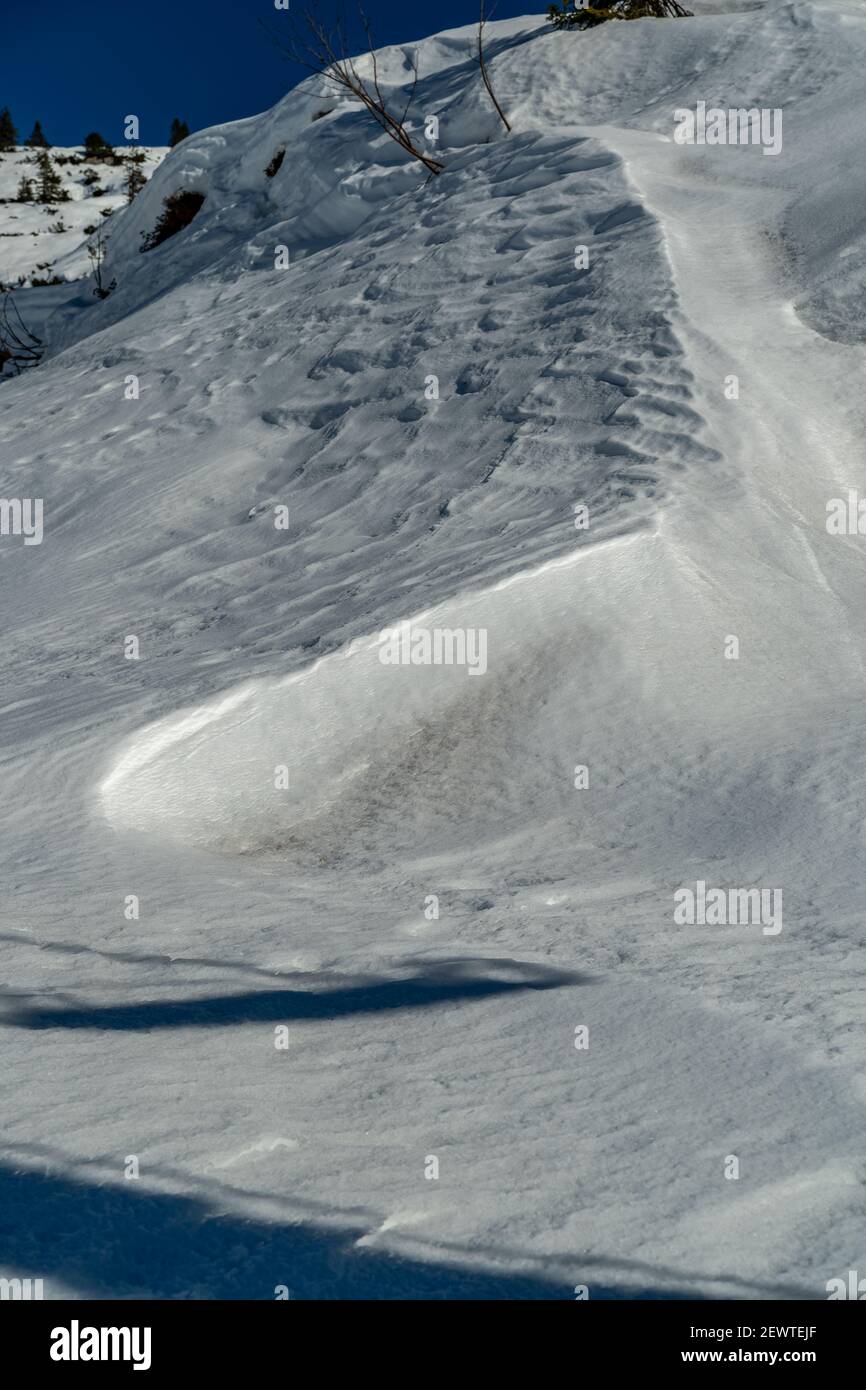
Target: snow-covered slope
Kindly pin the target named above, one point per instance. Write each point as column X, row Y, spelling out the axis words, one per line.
column 32, row 243
column 432, row 906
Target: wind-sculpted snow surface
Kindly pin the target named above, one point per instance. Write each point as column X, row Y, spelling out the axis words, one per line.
column 435, row 662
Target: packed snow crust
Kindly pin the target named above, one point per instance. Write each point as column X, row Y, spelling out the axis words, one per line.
column 155, row 781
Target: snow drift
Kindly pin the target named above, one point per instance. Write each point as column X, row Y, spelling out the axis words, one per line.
column 435, row 388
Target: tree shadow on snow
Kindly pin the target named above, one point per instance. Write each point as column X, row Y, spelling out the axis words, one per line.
column 104, row 1242
column 439, row 983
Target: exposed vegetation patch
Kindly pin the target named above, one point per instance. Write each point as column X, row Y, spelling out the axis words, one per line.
column 276, row 164
column 178, row 210
column 571, row 15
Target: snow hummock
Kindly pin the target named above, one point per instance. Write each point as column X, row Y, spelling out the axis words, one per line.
column 434, row 905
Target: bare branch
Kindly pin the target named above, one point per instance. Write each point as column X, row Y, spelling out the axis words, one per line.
column 368, row 32
column 326, row 53
column 37, row 342
column 411, row 97
column 482, row 19
column 18, row 346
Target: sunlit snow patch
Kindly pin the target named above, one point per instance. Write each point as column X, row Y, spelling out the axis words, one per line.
column 381, row 755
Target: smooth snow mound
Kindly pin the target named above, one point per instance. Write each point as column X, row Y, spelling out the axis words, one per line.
column 380, row 756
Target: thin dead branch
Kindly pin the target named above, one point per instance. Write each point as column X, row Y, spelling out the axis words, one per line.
column 325, row 51
column 18, row 346
column 482, row 20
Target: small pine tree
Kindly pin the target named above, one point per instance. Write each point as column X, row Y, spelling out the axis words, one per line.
column 135, row 179
column 8, row 133
column 25, row 192
column 179, row 131
column 37, row 140
column 96, row 147
column 50, row 188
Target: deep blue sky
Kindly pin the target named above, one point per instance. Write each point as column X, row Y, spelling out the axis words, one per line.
column 82, row 65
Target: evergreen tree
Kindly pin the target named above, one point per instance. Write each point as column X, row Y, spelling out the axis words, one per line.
column 95, row 147
column 49, row 185
column 135, row 179
column 179, row 131
column 8, row 133
column 25, row 192
column 37, row 140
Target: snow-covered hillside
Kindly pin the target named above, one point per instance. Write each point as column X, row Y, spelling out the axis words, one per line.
column 32, row 243
column 225, row 815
